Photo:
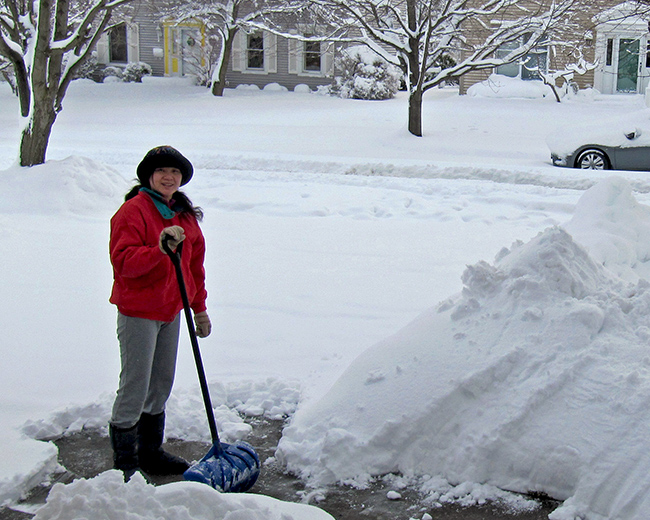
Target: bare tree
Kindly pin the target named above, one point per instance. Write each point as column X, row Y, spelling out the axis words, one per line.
column 223, row 19
column 420, row 35
column 564, row 72
column 46, row 41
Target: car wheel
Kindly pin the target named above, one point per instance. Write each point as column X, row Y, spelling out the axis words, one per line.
column 592, row 159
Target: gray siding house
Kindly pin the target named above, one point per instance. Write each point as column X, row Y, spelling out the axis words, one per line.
column 258, row 57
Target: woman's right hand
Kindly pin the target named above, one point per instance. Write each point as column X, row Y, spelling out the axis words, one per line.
column 175, row 235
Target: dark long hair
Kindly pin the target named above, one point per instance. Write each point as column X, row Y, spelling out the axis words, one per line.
column 183, row 204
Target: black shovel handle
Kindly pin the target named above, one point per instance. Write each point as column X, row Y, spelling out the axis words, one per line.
column 176, row 260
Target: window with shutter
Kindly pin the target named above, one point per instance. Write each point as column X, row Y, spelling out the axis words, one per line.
column 255, row 51
column 117, row 46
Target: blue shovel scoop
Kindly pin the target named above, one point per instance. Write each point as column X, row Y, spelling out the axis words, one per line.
column 226, row 467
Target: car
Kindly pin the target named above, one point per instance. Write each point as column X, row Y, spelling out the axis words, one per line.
column 617, row 144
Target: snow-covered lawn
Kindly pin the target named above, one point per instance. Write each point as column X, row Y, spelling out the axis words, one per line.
column 329, row 230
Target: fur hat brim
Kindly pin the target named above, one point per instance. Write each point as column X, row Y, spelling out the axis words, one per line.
column 161, row 157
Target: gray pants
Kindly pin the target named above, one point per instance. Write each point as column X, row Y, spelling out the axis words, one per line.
column 148, row 353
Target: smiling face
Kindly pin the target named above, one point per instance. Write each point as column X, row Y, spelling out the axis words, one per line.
column 166, row 181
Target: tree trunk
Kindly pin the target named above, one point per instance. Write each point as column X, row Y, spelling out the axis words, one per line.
column 36, row 134
column 415, row 71
column 415, row 112
column 219, row 85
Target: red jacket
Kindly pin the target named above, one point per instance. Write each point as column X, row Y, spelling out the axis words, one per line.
column 145, row 283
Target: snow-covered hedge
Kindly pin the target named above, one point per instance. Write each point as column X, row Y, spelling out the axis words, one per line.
column 363, row 74
column 133, row 72
column 136, row 70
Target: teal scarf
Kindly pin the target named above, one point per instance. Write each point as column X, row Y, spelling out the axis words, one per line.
column 161, row 204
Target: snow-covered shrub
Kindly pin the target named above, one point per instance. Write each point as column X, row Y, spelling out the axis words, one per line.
column 135, row 71
column 275, row 87
column 112, row 72
column 363, row 74
column 88, row 69
column 301, row 88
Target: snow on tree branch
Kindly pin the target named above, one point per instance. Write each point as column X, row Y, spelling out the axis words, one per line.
column 433, row 41
column 46, row 41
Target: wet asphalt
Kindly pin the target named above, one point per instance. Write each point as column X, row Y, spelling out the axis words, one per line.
column 88, row 453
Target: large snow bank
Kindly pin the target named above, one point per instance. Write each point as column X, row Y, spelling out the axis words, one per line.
column 107, row 496
column 535, row 378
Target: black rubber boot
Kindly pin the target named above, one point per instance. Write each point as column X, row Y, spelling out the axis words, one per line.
column 124, row 442
column 153, row 459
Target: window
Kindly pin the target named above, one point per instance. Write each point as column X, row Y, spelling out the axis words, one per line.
column 610, row 52
column 118, row 52
column 255, row 51
column 311, row 57
column 528, row 66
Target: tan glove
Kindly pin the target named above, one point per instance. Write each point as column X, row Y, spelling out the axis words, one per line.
column 203, row 324
column 176, row 234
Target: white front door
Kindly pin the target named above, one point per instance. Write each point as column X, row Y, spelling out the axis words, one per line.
column 625, row 61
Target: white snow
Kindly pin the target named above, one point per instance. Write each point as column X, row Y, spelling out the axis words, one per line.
column 452, row 307
column 611, row 132
column 500, row 86
column 106, row 496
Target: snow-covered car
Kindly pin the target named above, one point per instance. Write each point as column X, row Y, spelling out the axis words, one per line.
column 616, row 144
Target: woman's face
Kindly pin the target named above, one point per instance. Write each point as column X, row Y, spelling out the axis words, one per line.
column 166, row 181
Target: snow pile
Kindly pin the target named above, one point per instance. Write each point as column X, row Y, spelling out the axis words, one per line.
column 186, row 419
column 36, row 462
column 107, row 496
column 614, row 228
column 535, row 378
column 75, row 185
column 499, row 86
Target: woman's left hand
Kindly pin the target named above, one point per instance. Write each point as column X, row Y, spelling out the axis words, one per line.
column 203, row 324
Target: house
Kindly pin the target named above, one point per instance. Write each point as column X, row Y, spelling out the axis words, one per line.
column 260, row 57
column 611, row 34
column 622, row 49
column 167, row 47
column 180, row 49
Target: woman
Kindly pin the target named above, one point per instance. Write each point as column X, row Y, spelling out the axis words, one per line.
column 148, row 300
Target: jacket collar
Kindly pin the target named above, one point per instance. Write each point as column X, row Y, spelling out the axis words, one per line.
column 161, row 204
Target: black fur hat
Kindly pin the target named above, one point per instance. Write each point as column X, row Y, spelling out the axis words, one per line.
column 164, row 156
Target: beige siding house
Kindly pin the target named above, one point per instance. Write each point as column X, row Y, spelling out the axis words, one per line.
column 611, row 34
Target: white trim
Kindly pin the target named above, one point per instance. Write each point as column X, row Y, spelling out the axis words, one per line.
column 606, row 76
column 297, row 59
column 238, row 54
column 270, row 52
column 133, row 42
column 295, row 56
column 327, row 60
column 102, row 49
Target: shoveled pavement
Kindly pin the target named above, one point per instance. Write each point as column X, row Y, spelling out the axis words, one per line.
column 88, row 453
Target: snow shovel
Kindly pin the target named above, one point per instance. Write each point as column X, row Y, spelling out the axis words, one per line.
column 226, row 467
